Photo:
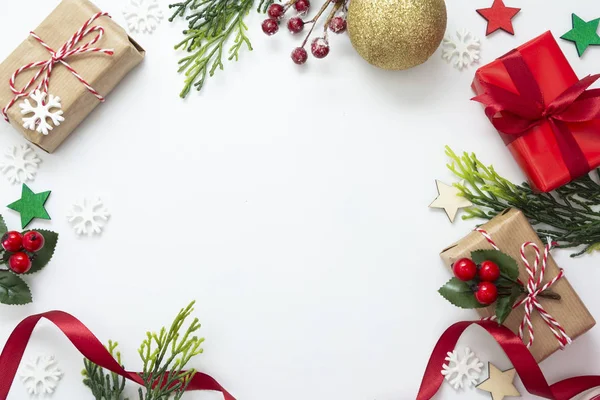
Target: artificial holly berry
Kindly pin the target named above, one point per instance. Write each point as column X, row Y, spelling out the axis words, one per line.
column 465, row 269
column 19, row 263
column 270, row 26
column 489, row 271
column 299, row 55
column 295, row 25
column 12, row 241
column 33, row 241
column 337, row 24
column 302, row 6
column 486, row 293
column 275, row 11
column 319, row 48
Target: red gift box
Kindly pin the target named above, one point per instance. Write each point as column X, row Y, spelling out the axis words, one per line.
column 548, row 118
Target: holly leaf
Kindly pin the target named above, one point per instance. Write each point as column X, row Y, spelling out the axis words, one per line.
column 3, row 228
column 508, row 266
column 504, row 304
column 43, row 257
column 460, row 294
column 13, row 289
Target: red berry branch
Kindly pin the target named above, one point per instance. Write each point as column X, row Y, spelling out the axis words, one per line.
column 319, row 47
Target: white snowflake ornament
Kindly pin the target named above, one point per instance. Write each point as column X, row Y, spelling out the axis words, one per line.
column 42, row 112
column 41, row 375
column 463, row 370
column 143, row 15
column 463, row 50
column 20, row 164
column 88, row 217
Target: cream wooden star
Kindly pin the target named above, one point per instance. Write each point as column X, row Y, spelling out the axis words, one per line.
column 500, row 383
column 449, row 199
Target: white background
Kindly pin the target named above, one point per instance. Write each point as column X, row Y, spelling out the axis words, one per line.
column 290, row 202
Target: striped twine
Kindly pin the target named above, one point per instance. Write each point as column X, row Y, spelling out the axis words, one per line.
column 67, row 50
column 534, row 288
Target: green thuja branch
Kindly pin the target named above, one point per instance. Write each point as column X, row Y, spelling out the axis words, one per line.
column 568, row 215
column 212, row 24
column 107, row 386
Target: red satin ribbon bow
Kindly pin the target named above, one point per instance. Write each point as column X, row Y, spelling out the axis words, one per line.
column 530, row 373
column 87, row 344
column 515, row 114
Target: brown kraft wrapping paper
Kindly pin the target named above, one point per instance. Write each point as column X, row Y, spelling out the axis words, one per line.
column 101, row 71
column 509, row 231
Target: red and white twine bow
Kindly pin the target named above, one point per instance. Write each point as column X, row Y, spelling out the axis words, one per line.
column 534, row 288
column 67, row 50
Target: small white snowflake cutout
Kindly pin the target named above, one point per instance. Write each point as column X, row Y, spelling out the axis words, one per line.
column 143, row 15
column 463, row 50
column 463, row 370
column 42, row 111
column 20, row 163
column 88, row 217
column 41, row 375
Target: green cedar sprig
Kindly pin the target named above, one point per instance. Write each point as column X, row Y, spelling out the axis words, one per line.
column 212, row 24
column 165, row 356
column 569, row 215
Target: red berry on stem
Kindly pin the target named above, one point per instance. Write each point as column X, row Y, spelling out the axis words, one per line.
column 319, row 48
column 295, row 25
column 33, row 241
column 464, row 269
column 299, row 55
column 337, row 25
column 12, row 241
column 489, row 271
column 19, row 263
column 302, row 6
column 275, row 11
column 486, row 293
column 270, row 26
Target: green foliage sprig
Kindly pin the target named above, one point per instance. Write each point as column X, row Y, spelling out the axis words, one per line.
column 569, row 215
column 165, row 356
column 212, row 24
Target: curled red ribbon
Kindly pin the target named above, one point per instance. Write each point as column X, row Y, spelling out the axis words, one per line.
column 87, row 344
column 530, row 373
column 514, row 115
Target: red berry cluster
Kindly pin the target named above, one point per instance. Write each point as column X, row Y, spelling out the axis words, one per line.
column 319, row 47
column 22, row 249
column 484, row 276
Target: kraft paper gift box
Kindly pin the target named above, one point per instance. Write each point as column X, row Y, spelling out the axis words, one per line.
column 101, row 71
column 509, row 231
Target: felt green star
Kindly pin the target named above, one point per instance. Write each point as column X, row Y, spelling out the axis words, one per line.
column 583, row 34
column 30, row 206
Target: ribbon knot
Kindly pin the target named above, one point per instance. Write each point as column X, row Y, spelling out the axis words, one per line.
column 66, row 51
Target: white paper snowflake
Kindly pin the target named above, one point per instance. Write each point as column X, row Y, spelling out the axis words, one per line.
column 20, row 163
column 460, row 370
column 143, row 15
column 463, row 50
column 41, row 375
column 88, row 217
column 42, row 111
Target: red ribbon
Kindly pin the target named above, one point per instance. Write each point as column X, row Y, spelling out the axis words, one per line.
column 515, row 114
column 530, row 373
column 87, row 344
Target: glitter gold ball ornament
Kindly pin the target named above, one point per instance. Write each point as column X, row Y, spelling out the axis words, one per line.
column 396, row 34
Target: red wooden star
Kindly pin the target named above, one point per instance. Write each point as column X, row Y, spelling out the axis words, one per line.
column 499, row 17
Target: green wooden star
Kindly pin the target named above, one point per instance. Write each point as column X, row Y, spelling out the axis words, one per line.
column 30, row 205
column 583, row 34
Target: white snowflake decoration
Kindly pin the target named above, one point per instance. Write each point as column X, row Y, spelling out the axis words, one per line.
column 88, row 217
column 42, row 111
column 143, row 15
column 20, row 164
column 460, row 370
column 41, row 375
column 463, row 50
